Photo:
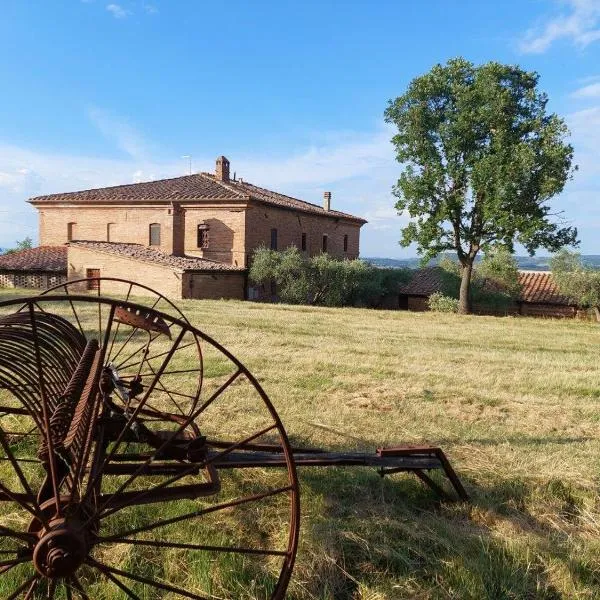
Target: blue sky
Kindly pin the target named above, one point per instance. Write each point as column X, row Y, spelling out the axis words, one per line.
column 99, row 93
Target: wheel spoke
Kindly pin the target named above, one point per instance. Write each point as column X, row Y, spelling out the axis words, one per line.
column 77, row 585
column 15, row 562
column 32, row 581
column 149, row 358
column 17, row 468
column 27, row 537
column 193, row 467
column 198, row 513
column 106, row 572
column 145, row 580
column 169, row 440
column 185, row 546
column 97, row 476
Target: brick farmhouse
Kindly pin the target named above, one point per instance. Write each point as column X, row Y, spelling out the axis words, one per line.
column 187, row 237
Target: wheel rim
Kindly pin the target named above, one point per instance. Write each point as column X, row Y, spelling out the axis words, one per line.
column 118, row 490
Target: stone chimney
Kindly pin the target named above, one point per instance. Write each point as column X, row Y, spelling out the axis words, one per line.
column 326, row 200
column 222, row 170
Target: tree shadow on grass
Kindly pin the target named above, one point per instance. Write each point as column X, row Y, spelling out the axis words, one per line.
column 364, row 537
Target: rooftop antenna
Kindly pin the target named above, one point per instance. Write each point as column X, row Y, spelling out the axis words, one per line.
column 188, row 156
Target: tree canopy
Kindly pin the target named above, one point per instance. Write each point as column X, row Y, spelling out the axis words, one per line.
column 25, row 244
column 323, row 280
column 481, row 158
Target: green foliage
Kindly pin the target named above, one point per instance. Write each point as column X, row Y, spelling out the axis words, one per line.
column 495, row 282
column 576, row 280
column 500, row 267
column 483, row 157
column 323, row 280
column 25, row 244
column 438, row 302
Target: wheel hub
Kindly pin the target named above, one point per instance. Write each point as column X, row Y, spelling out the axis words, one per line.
column 64, row 542
column 60, row 552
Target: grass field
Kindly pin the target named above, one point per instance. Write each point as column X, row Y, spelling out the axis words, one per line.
column 513, row 402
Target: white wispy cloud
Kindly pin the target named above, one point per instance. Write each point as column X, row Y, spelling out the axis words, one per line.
column 579, row 24
column 587, row 91
column 117, row 11
column 119, row 130
column 151, row 9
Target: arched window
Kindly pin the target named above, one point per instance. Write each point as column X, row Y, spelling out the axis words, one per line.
column 155, row 234
column 202, row 241
column 71, row 231
column 110, row 232
column 324, row 248
column 273, row 239
column 346, row 243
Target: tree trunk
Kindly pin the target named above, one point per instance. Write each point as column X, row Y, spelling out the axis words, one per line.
column 597, row 313
column 464, row 302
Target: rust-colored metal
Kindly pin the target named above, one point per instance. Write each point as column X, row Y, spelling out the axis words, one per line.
column 99, row 416
column 142, row 319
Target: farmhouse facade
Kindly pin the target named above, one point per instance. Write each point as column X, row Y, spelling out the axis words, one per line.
column 198, row 228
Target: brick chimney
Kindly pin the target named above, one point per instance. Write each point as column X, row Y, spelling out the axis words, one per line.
column 222, row 169
column 326, row 200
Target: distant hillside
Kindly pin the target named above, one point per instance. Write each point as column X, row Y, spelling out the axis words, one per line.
column 528, row 263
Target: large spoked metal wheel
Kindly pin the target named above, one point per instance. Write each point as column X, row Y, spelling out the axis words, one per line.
column 118, row 424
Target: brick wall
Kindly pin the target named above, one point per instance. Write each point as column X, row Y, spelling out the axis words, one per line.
column 160, row 278
column 417, row 303
column 226, row 228
column 128, row 224
column 290, row 225
column 235, row 230
column 214, row 285
column 547, row 310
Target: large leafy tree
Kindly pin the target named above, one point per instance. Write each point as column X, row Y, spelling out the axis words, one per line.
column 481, row 158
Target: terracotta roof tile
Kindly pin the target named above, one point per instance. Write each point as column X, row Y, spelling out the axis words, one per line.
column 537, row 287
column 147, row 254
column 424, row 282
column 43, row 258
column 275, row 198
column 189, row 188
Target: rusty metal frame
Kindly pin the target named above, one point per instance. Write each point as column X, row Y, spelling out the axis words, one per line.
column 63, row 382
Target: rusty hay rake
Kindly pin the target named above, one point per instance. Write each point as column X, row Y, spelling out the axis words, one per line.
column 140, row 459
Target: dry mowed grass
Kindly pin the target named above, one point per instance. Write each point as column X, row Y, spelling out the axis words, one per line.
column 513, row 401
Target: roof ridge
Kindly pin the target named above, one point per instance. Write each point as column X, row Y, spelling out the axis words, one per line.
column 274, row 195
column 212, row 178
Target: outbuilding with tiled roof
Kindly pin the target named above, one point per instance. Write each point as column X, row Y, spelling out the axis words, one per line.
column 40, row 267
column 539, row 295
